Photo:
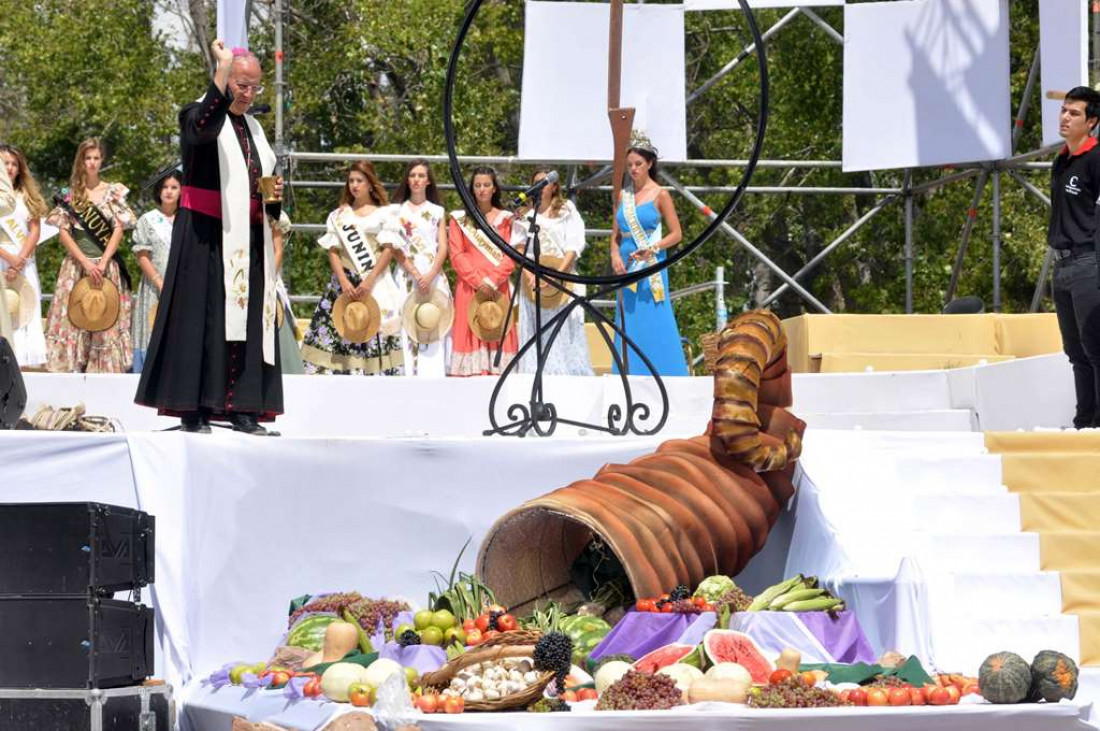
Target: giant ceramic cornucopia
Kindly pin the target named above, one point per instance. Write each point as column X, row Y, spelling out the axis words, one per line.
column 694, row 508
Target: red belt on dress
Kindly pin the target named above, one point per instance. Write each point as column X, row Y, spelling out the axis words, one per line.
column 209, row 203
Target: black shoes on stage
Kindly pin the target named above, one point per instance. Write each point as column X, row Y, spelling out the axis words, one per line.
column 199, row 423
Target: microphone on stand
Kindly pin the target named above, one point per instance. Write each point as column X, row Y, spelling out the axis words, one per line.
column 536, row 189
column 258, row 109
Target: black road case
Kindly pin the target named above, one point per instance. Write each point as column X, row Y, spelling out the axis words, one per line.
column 139, row 708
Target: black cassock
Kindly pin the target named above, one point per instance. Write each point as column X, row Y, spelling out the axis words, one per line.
column 189, row 365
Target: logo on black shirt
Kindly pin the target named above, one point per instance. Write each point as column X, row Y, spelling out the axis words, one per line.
column 1072, row 187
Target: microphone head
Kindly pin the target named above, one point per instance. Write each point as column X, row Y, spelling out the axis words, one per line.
column 552, row 176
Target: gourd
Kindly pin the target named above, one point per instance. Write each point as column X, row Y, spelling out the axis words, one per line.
column 1004, row 677
column 789, row 659
column 716, row 689
column 338, row 678
column 731, row 672
column 340, row 639
column 609, row 673
column 1053, row 677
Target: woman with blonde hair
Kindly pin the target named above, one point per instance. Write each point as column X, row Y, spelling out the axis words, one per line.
column 360, row 238
column 561, row 242
column 19, row 234
column 69, row 348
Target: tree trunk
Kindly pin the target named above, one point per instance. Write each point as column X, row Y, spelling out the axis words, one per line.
column 200, row 20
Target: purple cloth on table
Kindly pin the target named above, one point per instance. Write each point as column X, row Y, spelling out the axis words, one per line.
column 842, row 637
column 639, row 633
column 425, row 658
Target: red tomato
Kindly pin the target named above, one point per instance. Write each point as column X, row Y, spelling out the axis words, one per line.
column 474, row 637
column 846, row 695
column 808, row 679
column 482, row 623
column 858, row 697
column 916, row 697
column 666, row 609
column 699, row 600
column 428, row 703
column 454, row 704
column 778, row 676
column 312, row 689
column 939, row 697
column 705, row 607
column 645, row 605
column 900, row 697
column 507, row 623
column 954, row 693
column 972, row 689
column 468, row 625
column 569, row 696
column 587, row 694
column 877, row 697
column 281, row 677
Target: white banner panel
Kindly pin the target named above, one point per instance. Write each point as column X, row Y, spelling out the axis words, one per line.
column 1063, row 56
column 756, row 4
column 925, row 83
column 232, row 25
column 563, row 112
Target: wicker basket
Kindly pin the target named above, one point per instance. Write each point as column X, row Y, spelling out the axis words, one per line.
column 710, row 350
column 512, row 639
column 442, row 678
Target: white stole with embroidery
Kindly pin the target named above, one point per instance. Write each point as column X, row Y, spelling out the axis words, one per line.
column 236, row 233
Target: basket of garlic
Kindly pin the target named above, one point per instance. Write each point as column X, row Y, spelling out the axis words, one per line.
column 496, row 678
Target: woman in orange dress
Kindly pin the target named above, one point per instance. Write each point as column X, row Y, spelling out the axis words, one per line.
column 482, row 269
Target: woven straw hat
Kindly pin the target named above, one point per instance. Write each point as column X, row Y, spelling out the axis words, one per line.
column 486, row 316
column 94, row 309
column 357, row 321
column 427, row 318
column 552, row 297
column 19, row 300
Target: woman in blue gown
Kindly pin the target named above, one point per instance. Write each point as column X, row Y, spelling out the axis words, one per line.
column 649, row 319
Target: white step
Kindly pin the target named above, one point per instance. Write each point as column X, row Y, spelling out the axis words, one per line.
column 964, row 513
column 1088, row 691
column 1018, row 595
column 929, row 420
column 966, row 642
column 904, row 391
column 960, row 552
column 902, row 474
column 914, row 443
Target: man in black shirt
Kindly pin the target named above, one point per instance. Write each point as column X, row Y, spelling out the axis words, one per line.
column 1073, row 233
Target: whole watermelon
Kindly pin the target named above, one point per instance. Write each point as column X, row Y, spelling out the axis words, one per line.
column 1004, row 677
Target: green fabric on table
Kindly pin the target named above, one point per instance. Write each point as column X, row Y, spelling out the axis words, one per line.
column 910, row 671
column 355, row 656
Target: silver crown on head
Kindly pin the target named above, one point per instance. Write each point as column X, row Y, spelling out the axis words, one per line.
column 640, row 141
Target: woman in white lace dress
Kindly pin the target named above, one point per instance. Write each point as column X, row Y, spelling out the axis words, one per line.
column 151, row 243
column 19, row 234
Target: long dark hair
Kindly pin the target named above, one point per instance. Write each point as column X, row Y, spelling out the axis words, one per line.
column 431, row 192
column 486, row 170
column 650, row 156
column 174, row 175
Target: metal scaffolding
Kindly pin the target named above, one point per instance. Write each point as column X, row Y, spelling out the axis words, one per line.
column 992, row 171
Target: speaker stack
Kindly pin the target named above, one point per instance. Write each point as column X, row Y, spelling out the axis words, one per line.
column 68, row 648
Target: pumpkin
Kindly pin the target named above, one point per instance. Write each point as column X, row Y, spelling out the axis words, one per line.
column 724, row 690
column 1004, row 677
column 1053, row 677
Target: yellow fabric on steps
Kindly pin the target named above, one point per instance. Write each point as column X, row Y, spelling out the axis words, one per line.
column 1062, row 472
column 1043, row 441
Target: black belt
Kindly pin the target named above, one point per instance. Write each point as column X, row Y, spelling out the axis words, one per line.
column 1075, row 251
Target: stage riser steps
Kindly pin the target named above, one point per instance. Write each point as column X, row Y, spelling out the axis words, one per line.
column 963, row 643
column 929, row 513
column 1032, row 594
column 868, row 392
column 1031, row 473
column 1080, row 590
column 934, row 421
column 1060, row 511
column 1014, row 553
column 975, row 475
column 897, row 362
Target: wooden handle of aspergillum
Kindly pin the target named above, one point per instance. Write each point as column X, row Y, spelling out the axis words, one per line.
column 1056, row 95
column 621, row 119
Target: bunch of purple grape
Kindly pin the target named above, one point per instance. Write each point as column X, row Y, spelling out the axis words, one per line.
column 372, row 612
column 887, row 681
column 792, row 693
column 637, row 691
column 735, row 599
column 336, row 602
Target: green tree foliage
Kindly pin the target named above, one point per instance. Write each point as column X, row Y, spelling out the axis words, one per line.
column 368, row 76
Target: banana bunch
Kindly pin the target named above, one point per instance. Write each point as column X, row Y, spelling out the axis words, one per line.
column 796, row 594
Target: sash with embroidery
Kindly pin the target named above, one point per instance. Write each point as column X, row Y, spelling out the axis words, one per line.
column 96, row 225
column 480, row 241
column 630, row 212
column 361, row 250
column 15, row 228
column 417, row 245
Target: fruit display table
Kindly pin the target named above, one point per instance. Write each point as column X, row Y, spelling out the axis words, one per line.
column 213, row 710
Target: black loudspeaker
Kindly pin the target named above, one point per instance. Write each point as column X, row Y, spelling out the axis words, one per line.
column 148, row 708
column 74, row 549
column 74, row 642
column 13, row 392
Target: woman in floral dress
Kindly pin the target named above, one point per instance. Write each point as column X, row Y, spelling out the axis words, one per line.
column 363, row 210
column 70, row 349
column 151, row 244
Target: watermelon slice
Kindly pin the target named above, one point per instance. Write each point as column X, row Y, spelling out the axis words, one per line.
column 668, row 655
column 727, row 645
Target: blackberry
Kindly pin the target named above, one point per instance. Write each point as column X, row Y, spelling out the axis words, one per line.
column 554, row 653
column 680, row 592
column 493, row 617
column 408, row 637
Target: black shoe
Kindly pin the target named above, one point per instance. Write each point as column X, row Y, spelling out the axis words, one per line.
column 194, row 423
column 248, row 424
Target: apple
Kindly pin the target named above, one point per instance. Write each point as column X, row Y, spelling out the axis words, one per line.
column 473, row 637
column 939, row 697
column 454, row 636
column 454, row 704
column 431, row 636
column 428, row 703
column 361, row 694
column 443, row 619
column 858, row 697
column 423, row 619
column 954, row 693
column 900, row 697
column 916, row 697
